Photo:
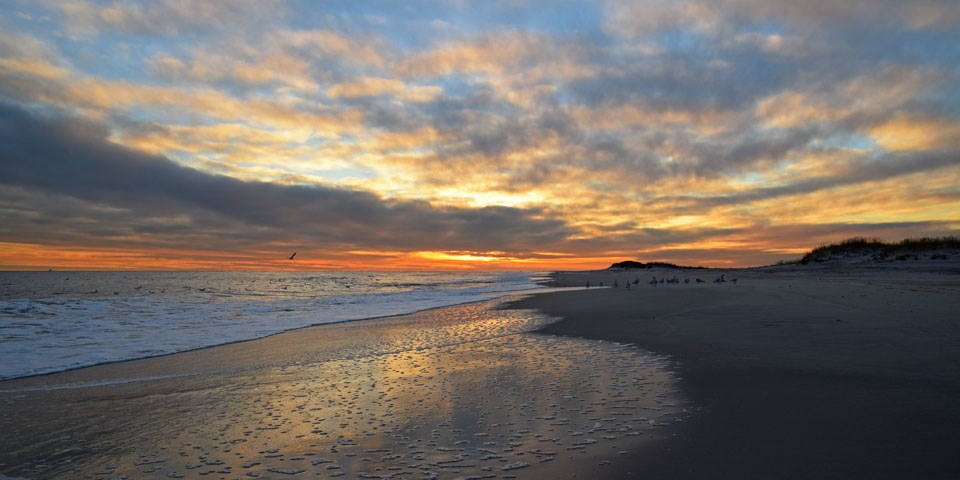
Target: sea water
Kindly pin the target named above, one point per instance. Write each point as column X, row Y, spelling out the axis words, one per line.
column 53, row 321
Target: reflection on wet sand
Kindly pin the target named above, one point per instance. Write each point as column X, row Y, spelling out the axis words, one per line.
column 460, row 392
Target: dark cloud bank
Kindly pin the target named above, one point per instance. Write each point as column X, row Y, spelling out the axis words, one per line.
column 83, row 188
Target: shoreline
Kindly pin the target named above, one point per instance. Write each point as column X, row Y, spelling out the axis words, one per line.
column 237, row 350
column 481, row 386
column 543, row 288
column 792, row 373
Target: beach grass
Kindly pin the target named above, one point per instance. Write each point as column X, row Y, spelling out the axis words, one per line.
column 879, row 249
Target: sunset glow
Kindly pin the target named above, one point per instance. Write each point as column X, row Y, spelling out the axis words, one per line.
column 471, row 135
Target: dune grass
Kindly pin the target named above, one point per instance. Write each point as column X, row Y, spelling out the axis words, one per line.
column 879, row 249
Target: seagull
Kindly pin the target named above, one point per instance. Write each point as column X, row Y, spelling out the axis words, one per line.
column 291, row 256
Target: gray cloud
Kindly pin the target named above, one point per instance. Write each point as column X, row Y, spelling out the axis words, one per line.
column 126, row 191
column 859, row 171
column 931, row 14
column 167, row 17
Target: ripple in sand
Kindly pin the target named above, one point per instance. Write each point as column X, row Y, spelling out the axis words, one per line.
column 453, row 393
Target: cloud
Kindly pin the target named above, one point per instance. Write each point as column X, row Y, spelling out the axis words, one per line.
column 157, row 200
column 31, row 57
column 108, row 97
column 641, row 19
column 859, row 171
column 262, row 68
column 912, row 15
column 164, row 17
column 493, row 53
column 377, row 86
column 356, row 49
column 904, row 133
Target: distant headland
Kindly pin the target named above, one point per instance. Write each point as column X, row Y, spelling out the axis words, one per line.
column 632, row 265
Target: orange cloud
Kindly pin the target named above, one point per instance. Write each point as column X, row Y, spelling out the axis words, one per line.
column 34, row 68
column 377, row 86
column 115, row 95
column 794, row 109
column 493, row 55
column 914, row 133
column 325, row 43
column 365, row 87
column 701, row 122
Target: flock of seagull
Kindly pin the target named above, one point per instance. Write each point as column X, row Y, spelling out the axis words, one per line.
column 654, row 281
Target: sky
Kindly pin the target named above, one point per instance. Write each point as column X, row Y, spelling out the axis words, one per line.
column 528, row 135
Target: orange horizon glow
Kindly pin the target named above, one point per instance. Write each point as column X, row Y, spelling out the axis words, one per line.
column 29, row 257
column 33, row 257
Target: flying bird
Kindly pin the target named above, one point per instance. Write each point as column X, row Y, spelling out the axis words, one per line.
column 291, row 256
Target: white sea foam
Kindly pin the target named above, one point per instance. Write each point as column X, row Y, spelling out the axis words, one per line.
column 52, row 321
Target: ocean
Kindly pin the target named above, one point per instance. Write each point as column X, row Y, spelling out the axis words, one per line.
column 54, row 321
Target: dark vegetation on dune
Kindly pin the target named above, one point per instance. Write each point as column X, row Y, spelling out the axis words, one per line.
column 857, row 249
column 878, row 250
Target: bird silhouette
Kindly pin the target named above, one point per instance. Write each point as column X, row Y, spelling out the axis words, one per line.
column 291, row 256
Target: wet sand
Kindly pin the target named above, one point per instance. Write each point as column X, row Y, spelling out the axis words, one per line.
column 458, row 392
column 795, row 373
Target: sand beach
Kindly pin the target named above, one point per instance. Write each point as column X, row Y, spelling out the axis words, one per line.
column 797, row 372
column 791, row 372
